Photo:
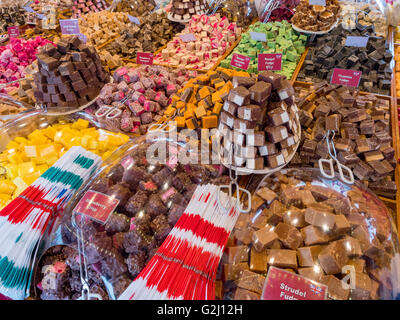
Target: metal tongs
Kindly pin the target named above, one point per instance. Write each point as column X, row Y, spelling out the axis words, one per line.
column 213, row 7
column 112, row 112
column 86, row 295
column 271, row 6
column 233, row 174
column 160, row 127
column 333, row 155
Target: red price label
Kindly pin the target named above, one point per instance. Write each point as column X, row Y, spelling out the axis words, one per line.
column 144, row 58
column 240, row 61
column 270, row 61
column 96, row 206
column 284, row 285
column 13, row 32
column 346, row 77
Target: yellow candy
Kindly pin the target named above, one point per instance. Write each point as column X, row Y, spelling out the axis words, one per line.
column 7, row 187
column 25, row 168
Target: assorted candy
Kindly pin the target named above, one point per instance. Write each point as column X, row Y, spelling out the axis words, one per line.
column 210, row 37
column 243, row 12
column 16, row 56
column 316, row 18
column 10, row 16
column 27, row 157
column 145, row 91
column 285, row 11
column 329, row 52
column 135, row 8
column 361, row 124
column 184, row 10
column 82, row 7
column 281, row 38
column 317, row 229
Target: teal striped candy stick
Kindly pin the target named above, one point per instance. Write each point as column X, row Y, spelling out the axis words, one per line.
column 19, row 240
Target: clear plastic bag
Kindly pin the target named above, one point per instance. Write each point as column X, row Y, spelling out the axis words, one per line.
column 152, row 197
column 332, row 234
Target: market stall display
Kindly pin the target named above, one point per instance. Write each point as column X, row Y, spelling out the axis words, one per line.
column 138, row 97
column 259, row 123
column 280, row 38
column 210, row 37
column 15, row 57
column 70, row 75
column 316, row 228
column 314, row 17
column 330, row 51
column 152, row 198
column 362, row 133
column 34, row 141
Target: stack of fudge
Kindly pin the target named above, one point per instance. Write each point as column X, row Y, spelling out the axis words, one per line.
column 149, row 90
column 70, row 75
column 305, row 227
column 329, row 52
column 152, row 198
column 11, row 16
column 362, row 133
column 82, row 7
column 259, row 122
column 183, row 10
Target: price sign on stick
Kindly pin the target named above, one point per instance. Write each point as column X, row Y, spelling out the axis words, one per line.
column 346, row 77
column 240, row 61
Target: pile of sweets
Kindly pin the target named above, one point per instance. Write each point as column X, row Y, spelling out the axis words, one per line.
column 101, row 27
column 199, row 103
column 16, row 56
column 8, row 109
column 59, row 276
column 305, row 226
column 82, row 7
column 11, row 16
column 183, row 10
column 70, row 75
column 59, row 4
column 397, row 58
column 152, row 199
column 365, row 14
column 285, row 11
column 361, row 123
column 259, row 122
column 214, row 36
column 136, row 8
column 281, row 37
column 316, row 18
column 28, row 156
column 329, row 52
column 243, row 12
column 153, row 33
column 149, row 90
column 49, row 34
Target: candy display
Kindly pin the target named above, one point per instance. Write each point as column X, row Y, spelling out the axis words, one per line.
column 329, row 52
column 243, row 12
column 281, row 38
column 199, row 103
column 365, row 14
column 211, row 37
column 259, row 122
column 70, row 75
column 15, row 57
column 136, row 8
column 147, row 91
column 11, row 16
column 154, row 32
column 314, row 17
column 104, row 26
column 152, row 198
column 184, row 10
column 363, row 141
column 27, row 153
column 82, row 7
column 316, row 228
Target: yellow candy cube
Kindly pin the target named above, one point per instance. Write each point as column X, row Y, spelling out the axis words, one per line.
column 7, row 187
column 30, row 151
column 80, row 124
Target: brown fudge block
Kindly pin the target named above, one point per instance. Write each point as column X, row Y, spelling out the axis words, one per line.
column 295, row 217
column 313, row 273
column 313, row 235
column 333, row 258
column 282, row 258
column 258, row 261
column 335, row 288
column 342, row 225
column 234, row 271
column 308, row 256
column 363, row 287
column 251, row 281
column 237, row 254
column 264, row 238
column 289, row 235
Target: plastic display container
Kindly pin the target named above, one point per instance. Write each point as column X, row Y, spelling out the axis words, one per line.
column 335, row 238
column 151, row 198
